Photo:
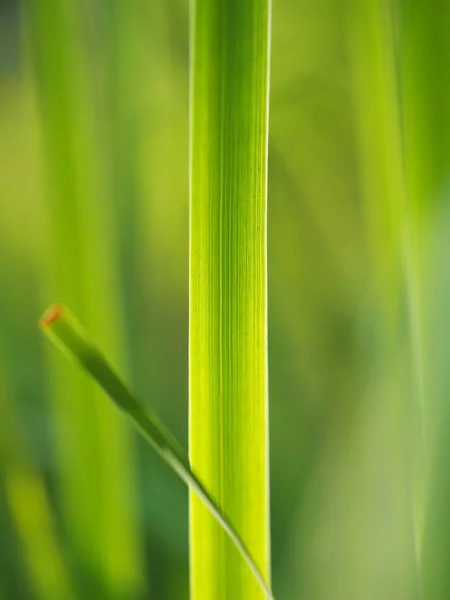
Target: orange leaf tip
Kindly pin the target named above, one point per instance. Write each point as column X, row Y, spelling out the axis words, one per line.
column 52, row 315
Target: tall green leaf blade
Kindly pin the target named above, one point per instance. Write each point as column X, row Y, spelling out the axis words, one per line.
column 94, row 462
column 425, row 46
column 29, row 506
column 393, row 288
column 228, row 330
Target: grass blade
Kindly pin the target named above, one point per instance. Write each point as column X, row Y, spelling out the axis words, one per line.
column 228, row 429
column 82, row 270
column 393, row 289
column 425, row 51
column 29, row 506
column 68, row 335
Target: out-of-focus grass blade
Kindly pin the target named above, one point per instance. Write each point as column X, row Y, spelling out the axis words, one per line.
column 373, row 62
column 228, row 404
column 435, row 548
column 69, row 336
column 392, row 292
column 425, row 47
column 30, row 510
column 94, row 458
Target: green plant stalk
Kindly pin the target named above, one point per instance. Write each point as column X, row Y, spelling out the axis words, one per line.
column 95, row 466
column 228, row 404
column 63, row 329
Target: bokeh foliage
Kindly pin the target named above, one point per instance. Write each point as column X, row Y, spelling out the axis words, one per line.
column 358, row 281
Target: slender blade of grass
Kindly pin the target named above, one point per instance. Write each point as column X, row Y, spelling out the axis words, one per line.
column 228, row 426
column 94, row 458
column 69, row 336
column 393, row 290
column 425, row 46
column 29, row 507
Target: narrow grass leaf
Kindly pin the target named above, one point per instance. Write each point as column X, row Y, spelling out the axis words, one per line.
column 63, row 329
column 30, row 509
column 228, row 404
column 94, row 456
column 393, row 290
column 425, row 47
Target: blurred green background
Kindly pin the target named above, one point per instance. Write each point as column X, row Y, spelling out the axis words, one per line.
column 94, row 135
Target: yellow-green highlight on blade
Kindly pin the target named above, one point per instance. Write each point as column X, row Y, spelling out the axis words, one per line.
column 228, row 403
column 71, row 338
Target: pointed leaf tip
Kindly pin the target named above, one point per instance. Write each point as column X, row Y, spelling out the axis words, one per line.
column 51, row 315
